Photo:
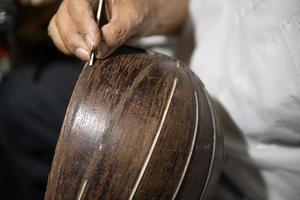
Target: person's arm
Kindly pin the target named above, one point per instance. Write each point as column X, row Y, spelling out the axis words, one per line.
column 74, row 30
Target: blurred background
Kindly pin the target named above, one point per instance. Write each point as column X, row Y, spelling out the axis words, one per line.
column 36, row 82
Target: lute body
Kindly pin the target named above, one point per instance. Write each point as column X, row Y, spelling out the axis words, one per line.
column 141, row 126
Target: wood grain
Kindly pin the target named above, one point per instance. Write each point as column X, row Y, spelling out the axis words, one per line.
column 139, row 126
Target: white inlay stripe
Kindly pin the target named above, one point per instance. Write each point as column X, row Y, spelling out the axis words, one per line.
column 214, row 144
column 141, row 174
column 98, row 20
column 191, row 149
column 82, row 190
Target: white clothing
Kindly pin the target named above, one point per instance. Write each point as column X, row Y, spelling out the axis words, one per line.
column 247, row 53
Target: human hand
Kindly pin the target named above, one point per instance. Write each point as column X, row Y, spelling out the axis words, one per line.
column 74, row 30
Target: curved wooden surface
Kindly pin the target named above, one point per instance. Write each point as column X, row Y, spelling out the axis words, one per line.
column 139, row 125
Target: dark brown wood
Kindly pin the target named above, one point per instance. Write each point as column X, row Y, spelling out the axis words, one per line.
column 139, row 125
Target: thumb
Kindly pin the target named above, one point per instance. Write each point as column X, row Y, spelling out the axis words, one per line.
column 114, row 34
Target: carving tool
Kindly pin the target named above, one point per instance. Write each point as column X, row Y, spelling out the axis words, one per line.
column 98, row 21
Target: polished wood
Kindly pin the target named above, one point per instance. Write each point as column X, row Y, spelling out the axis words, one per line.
column 140, row 125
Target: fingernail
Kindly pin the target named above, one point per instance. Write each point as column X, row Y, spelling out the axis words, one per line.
column 82, row 53
column 102, row 51
column 89, row 42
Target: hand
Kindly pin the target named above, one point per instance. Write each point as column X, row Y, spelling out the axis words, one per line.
column 74, row 30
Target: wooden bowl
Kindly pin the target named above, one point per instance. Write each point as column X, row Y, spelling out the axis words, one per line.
column 139, row 125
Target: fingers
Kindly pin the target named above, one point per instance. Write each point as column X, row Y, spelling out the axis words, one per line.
column 66, row 38
column 71, row 35
column 114, row 35
column 79, row 51
column 82, row 15
column 74, row 35
column 119, row 30
column 54, row 34
column 75, row 31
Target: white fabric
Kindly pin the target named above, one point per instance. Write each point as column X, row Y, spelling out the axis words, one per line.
column 248, row 55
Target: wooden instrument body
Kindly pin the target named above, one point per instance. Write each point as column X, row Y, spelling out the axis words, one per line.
column 139, row 126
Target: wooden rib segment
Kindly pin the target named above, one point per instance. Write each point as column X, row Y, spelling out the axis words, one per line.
column 170, row 155
column 195, row 178
column 214, row 146
column 192, row 147
column 141, row 174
